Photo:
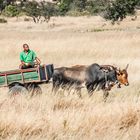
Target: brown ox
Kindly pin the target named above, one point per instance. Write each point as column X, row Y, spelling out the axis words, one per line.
column 122, row 75
column 77, row 75
column 69, row 76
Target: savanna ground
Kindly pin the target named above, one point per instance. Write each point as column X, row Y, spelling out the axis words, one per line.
column 66, row 42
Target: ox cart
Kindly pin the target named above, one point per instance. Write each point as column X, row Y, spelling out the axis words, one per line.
column 26, row 80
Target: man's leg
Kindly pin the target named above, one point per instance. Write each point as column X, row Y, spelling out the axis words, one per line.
column 25, row 66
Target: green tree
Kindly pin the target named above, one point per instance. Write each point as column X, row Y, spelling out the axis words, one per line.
column 32, row 9
column 119, row 9
column 11, row 11
column 79, row 5
column 47, row 10
column 37, row 10
column 64, row 6
column 96, row 6
column 2, row 5
column 6, row 3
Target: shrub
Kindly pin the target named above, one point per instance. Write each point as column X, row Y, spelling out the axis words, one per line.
column 47, row 10
column 96, row 6
column 11, row 11
column 119, row 9
column 42, row 9
column 2, row 20
column 64, row 6
column 77, row 13
column 78, row 5
column 26, row 19
column 32, row 9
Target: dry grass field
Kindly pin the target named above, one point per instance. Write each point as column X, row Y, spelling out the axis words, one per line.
column 65, row 42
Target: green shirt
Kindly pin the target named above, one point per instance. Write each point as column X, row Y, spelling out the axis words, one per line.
column 28, row 57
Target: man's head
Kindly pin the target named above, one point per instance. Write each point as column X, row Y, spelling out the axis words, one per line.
column 26, row 47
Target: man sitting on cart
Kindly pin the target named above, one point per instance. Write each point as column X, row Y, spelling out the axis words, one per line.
column 28, row 58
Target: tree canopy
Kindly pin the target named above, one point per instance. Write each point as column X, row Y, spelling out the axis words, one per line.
column 115, row 10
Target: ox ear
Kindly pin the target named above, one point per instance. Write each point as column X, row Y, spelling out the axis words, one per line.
column 127, row 66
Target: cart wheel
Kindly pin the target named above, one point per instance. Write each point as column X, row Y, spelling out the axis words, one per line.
column 17, row 89
column 37, row 90
column 34, row 89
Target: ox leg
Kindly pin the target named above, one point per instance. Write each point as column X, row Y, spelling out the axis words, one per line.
column 68, row 89
column 89, row 89
column 34, row 89
column 95, row 86
column 78, row 91
column 56, row 79
column 105, row 95
column 55, row 87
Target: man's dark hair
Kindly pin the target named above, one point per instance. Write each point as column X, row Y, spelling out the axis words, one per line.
column 25, row 45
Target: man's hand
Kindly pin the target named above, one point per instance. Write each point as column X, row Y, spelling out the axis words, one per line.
column 23, row 63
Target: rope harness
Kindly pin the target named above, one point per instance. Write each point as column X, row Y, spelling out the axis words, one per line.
column 106, row 80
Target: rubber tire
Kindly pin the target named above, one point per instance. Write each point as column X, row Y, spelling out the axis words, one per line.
column 34, row 90
column 37, row 90
column 17, row 89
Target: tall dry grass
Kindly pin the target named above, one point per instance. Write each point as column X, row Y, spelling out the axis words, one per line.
column 65, row 42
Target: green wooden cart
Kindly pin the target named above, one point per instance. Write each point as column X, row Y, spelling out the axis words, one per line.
column 26, row 79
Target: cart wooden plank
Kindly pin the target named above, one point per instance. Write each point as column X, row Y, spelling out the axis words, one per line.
column 41, row 74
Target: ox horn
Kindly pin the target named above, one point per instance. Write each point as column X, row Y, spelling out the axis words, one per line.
column 127, row 66
column 118, row 70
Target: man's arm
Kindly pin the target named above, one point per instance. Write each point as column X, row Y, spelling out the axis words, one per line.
column 22, row 64
column 36, row 58
column 38, row 61
column 21, row 59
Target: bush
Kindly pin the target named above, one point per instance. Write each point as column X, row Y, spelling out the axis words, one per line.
column 77, row 13
column 115, row 10
column 2, row 20
column 78, row 5
column 64, row 7
column 119, row 9
column 47, row 10
column 26, row 19
column 32, row 9
column 10, row 11
column 38, row 10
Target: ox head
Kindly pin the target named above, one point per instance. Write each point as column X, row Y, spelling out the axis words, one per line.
column 122, row 76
